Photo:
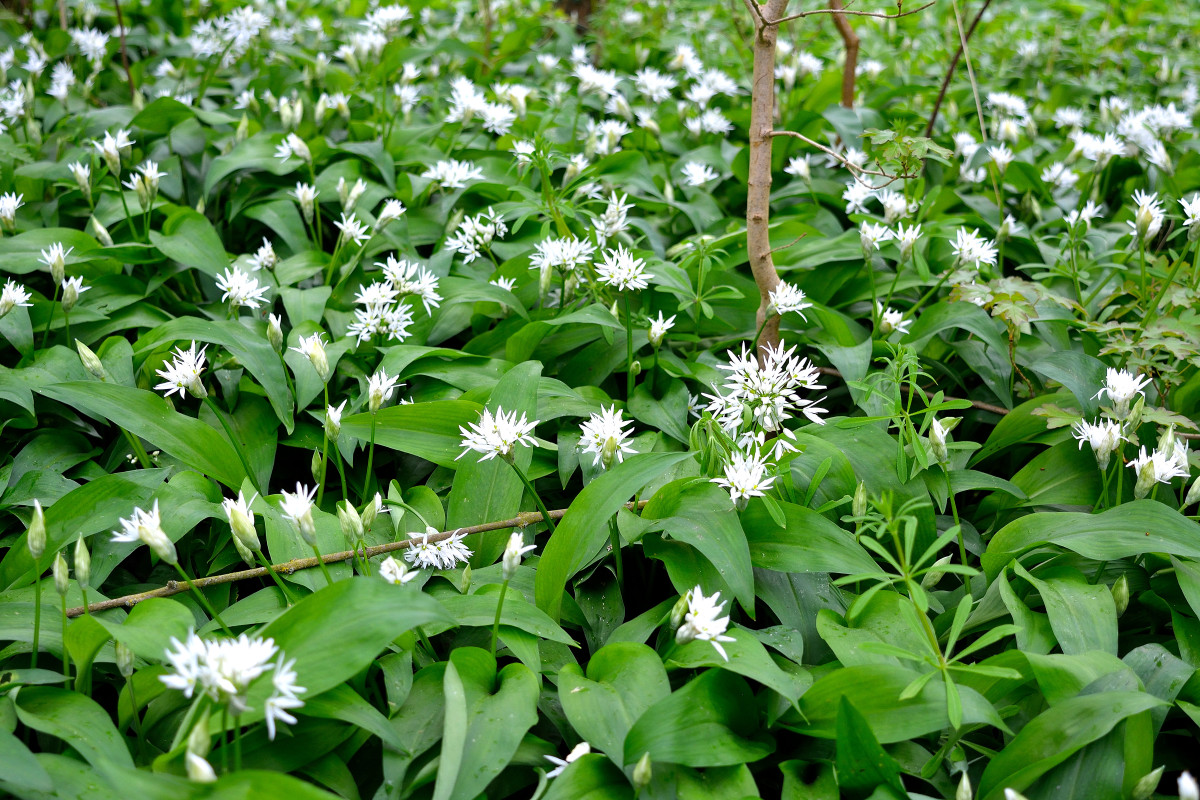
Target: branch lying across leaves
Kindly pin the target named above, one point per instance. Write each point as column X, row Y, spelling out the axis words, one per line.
column 289, row 567
column 875, row 14
column 855, row 170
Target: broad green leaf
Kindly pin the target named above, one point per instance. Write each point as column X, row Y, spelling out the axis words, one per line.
column 479, row 610
column 584, row 527
column 343, row 703
column 712, row 721
column 148, row 629
column 700, row 513
column 1082, row 615
column 862, row 764
column 357, row 619
column 623, row 680
column 875, row 690
column 426, row 430
column 250, row 347
column 76, row 719
column 1080, row 373
column 1054, row 735
column 482, row 729
column 145, row 414
column 592, row 777
column 255, row 153
column 1128, row 530
column 19, row 768
column 189, row 238
column 808, row 543
column 490, row 490
column 747, row 657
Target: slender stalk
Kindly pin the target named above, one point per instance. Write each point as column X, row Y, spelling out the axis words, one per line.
column 224, row 749
column 370, row 462
column 324, row 455
column 138, row 450
column 237, row 445
column 496, row 623
column 962, row 547
column 37, row 614
column 1152, row 314
column 1120, row 476
column 628, row 348
column 66, row 322
column 287, row 596
column 536, row 499
column 341, row 468
column 428, row 644
column 874, row 294
column 50, row 319
column 137, row 719
column 1142, row 263
column 237, row 745
column 766, row 318
column 212, row 612
column 614, row 536
column 324, row 569
column 66, row 653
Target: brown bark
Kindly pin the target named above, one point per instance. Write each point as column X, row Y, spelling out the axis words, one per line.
column 950, row 70
column 758, row 196
column 850, row 40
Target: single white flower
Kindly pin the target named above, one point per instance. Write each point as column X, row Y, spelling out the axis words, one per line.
column 891, row 320
column 786, row 299
column 313, row 348
column 703, row 621
column 1104, row 436
column 241, row 520
column 379, row 389
column 1157, row 466
column 659, row 328
column 146, row 527
column 14, row 295
column 745, row 477
column 604, row 434
column 622, row 271
column 445, row 554
column 697, row 174
column 1121, row 386
column 183, row 373
column 297, row 508
column 579, row 751
column 497, row 435
column 513, row 552
column 395, row 573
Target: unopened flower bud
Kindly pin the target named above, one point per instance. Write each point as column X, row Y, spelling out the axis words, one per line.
column 199, row 770
column 1134, row 420
column 124, row 659
column 36, row 539
column 71, row 289
column 101, row 233
column 642, row 773
column 1013, row 794
column 636, row 368
column 858, row 506
column 333, row 421
column 1120, row 593
column 83, row 563
column 243, row 128
column 315, row 466
column 62, row 579
column 1193, row 494
column 371, row 511
column 351, row 522
column 964, row 791
column 1144, row 789
column 678, row 611
column 199, row 740
column 275, row 332
column 1188, row 789
column 466, row 579
column 512, row 555
column 243, row 552
column 91, row 362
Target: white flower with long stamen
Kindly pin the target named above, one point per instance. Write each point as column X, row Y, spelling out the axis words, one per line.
column 146, row 527
column 1104, row 436
column 745, row 477
column 379, row 389
column 604, row 434
column 766, row 393
column 13, row 295
column 1156, row 466
column 971, row 249
column 453, row 174
column 1001, row 156
column 445, row 554
column 297, row 508
column 333, row 420
column 474, row 235
column 313, row 348
column 891, row 320
column 240, row 289
column 1121, row 386
column 579, row 751
column 183, row 373
column 786, row 299
column 264, row 257
column 353, row 229
column 801, row 167
column 392, row 210
column 906, row 238
column 697, row 174
column 411, row 279
column 703, row 621
column 497, row 434
column 622, row 271
column 659, row 328
column 9, row 203
column 513, row 552
column 871, row 235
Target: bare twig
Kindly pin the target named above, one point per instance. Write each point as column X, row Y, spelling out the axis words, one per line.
column 124, row 52
column 288, row 567
column 950, row 70
column 855, row 169
column 840, row 11
column 797, row 240
column 851, row 42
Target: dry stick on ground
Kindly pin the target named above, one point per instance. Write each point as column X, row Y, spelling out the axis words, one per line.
column 851, row 41
column 288, row 567
column 950, row 70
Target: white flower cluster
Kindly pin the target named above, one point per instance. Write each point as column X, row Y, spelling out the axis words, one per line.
column 224, row 670
column 497, row 434
column 604, row 435
column 474, row 235
column 444, row 554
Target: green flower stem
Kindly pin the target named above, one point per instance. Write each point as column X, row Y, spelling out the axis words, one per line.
column 1196, row 269
column 324, row 569
column 874, row 293
column 615, row 538
column 341, row 468
column 536, row 499
column 237, row 745
column 50, row 319
column 212, row 612
column 370, row 463
column 1099, row 571
column 324, row 456
column 125, row 204
column 37, row 614
column 287, row 596
column 962, row 547
column 629, row 377
column 1142, row 264
column 224, row 748
column 137, row 719
column 237, row 445
column 1152, row 314
column 66, row 652
column 1120, row 476
column 428, row 644
column 496, row 623
column 761, row 328
column 1102, row 500
column 66, row 322
column 137, row 448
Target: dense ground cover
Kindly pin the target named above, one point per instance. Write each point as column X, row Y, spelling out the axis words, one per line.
column 336, row 287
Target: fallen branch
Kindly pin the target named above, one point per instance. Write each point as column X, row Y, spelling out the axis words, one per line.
column 289, row 567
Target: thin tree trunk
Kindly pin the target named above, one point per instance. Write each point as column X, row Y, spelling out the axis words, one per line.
column 950, row 70
column 850, row 39
column 758, row 196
